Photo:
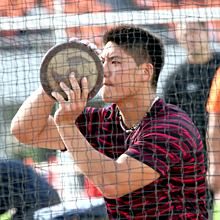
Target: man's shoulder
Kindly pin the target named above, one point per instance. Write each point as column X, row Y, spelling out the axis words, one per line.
column 170, row 112
column 164, row 109
column 170, row 122
column 176, row 119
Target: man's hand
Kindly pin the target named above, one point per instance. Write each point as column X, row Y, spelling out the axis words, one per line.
column 87, row 43
column 77, row 100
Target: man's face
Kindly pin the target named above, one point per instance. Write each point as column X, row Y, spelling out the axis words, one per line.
column 122, row 76
column 192, row 37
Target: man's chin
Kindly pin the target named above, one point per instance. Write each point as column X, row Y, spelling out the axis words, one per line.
column 107, row 99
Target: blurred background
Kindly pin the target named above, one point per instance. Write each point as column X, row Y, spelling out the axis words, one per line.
column 29, row 28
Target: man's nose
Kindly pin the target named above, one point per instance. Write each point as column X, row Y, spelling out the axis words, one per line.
column 106, row 69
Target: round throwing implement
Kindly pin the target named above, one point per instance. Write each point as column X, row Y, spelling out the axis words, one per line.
column 71, row 57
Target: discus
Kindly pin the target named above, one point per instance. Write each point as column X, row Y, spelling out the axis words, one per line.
column 71, row 57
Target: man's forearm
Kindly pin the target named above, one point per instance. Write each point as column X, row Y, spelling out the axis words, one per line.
column 100, row 169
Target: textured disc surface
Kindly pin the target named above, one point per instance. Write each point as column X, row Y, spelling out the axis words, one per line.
column 71, row 57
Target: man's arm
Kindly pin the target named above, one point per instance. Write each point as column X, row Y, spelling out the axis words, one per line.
column 113, row 178
column 213, row 142
column 33, row 124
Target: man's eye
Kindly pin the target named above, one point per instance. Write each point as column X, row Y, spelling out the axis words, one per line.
column 115, row 62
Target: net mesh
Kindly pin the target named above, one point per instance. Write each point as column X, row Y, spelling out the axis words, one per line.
column 42, row 183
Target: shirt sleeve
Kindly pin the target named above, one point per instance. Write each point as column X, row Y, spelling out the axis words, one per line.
column 213, row 104
column 163, row 146
column 89, row 120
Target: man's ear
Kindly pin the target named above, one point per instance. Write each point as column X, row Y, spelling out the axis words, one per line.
column 148, row 71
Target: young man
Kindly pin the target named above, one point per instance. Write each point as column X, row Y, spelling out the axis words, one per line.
column 143, row 155
column 189, row 85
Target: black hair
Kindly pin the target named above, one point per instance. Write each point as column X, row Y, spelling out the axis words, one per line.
column 143, row 45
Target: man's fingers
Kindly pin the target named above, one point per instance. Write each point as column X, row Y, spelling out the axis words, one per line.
column 86, row 42
column 75, row 86
column 94, row 47
column 58, row 97
column 85, row 89
column 98, row 51
column 70, row 93
column 73, row 39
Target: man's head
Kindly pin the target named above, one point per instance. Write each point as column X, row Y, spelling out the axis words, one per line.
column 193, row 36
column 139, row 43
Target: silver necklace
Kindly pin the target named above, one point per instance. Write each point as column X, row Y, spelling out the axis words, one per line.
column 136, row 126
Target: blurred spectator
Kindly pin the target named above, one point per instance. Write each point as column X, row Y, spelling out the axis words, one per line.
column 155, row 4
column 92, row 33
column 15, row 8
column 189, row 85
column 85, row 6
column 24, row 190
column 213, row 135
column 168, row 4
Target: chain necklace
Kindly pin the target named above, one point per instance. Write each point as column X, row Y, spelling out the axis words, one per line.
column 136, row 126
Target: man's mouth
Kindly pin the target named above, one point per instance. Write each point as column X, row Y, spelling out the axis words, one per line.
column 107, row 84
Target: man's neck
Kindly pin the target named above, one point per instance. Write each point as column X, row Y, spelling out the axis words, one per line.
column 134, row 111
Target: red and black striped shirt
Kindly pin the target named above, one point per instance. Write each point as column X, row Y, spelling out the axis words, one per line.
column 165, row 140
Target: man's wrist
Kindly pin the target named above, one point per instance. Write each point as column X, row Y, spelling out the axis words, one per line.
column 64, row 125
column 64, row 121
